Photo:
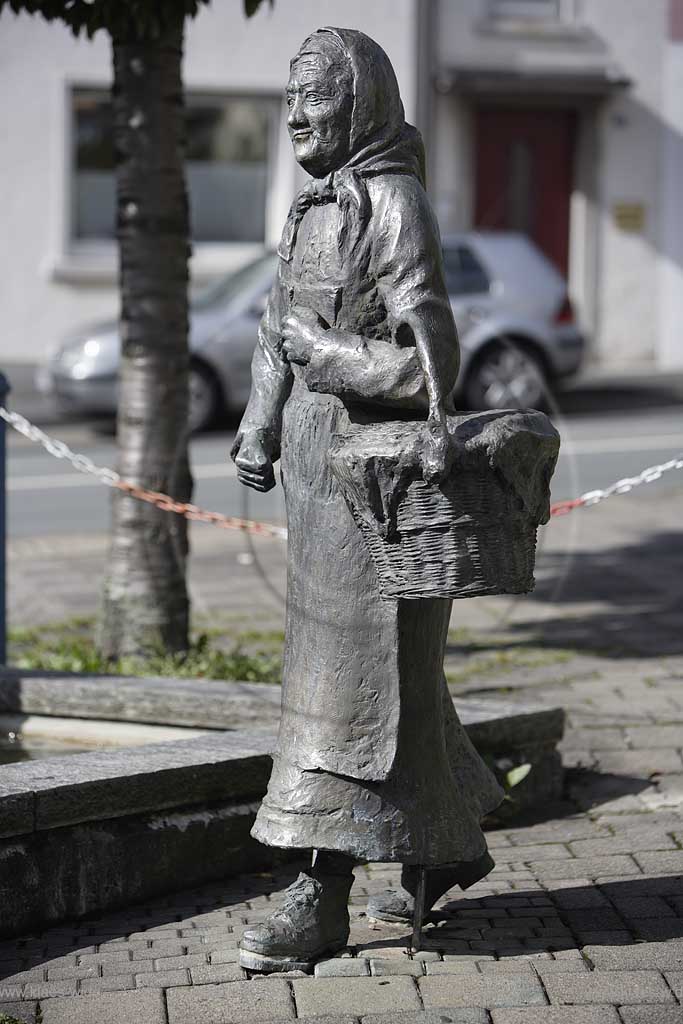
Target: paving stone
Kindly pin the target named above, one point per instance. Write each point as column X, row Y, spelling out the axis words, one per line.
column 107, row 1008
column 595, row 919
column 655, row 735
column 161, row 979
column 594, row 739
column 399, row 950
column 544, row 967
column 656, row 929
column 115, row 956
column 657, row 955
column 25, row 1012
column 557, row 1015
column 12, row 992
column 666, row 861
column 113, row 983
column 546, row 851
column 136, row 966
column 553, row 832
column 506, row 967
column 336, row 1019
column 522, row 989
column 48, row 989
column 589, row 867
column 78, row 973
column 651, row 1014
column 589, row 938
column 158, row 950
column 236, row 1002
column 622, row 844
column 643, row 907
column 354, row 995
column 466, row 965
column 215, row 973
column 174, row 963
column 343, row 967
column 608, row 987
column 639, row 762
column 470, row 1015
column 675, row 980
column 409, row 968
column 25, row 977
column 578, row 897
column 224, row 955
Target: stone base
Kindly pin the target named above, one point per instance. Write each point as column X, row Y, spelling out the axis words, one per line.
column 96, row 831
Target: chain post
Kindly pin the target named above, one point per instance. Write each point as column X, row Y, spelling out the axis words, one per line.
column 4, row 391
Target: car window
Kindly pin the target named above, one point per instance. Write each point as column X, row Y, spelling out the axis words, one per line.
column 464, row 273
column 232, row 285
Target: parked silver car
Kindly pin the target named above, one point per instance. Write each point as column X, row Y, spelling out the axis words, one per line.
column 515, row 321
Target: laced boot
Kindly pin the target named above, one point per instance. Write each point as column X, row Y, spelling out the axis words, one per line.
column 399, row 904
column 312, row 922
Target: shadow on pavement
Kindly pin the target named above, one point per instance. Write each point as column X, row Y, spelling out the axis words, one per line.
column 619, row 913
column 610, row 920
column 620, row 397
column 633, row 594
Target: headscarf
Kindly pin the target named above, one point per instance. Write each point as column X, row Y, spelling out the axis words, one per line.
column 381, row 141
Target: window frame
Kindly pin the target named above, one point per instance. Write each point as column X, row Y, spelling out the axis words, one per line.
column 95, row 260
column 538, row 11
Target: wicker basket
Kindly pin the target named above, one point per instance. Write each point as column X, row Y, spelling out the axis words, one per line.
column 471, row 535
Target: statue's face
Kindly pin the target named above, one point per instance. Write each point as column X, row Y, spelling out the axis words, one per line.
column 320, row 103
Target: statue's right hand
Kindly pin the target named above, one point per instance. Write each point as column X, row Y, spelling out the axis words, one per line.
column 254, row 465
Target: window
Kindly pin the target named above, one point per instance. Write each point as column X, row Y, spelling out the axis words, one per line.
column 228, row 153
column 526, row 8
column 464, row 273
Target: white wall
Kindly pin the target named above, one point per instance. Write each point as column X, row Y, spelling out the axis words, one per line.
column 670, row 350
column 630, row 147
column 48, row 289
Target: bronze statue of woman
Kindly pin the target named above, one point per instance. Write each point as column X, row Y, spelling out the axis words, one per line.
column 372, row 762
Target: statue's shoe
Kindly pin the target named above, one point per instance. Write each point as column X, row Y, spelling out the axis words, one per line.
column 398, row 905
column 312, row 923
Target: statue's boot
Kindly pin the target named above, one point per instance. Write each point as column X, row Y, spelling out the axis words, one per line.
column 399, row 904
column 313, row 922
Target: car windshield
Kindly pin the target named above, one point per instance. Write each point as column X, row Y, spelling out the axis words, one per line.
column 229, row 287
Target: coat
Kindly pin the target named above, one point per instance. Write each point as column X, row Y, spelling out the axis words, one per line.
column 371, row 758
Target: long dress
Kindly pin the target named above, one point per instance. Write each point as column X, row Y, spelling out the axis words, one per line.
column 372, row 760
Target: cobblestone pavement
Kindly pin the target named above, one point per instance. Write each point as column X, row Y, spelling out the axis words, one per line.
column 582, row 920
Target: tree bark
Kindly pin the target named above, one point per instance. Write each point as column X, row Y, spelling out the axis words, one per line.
column 146, row 604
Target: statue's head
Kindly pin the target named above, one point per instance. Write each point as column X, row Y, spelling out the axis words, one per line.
column 320, row 102
column 342, row 94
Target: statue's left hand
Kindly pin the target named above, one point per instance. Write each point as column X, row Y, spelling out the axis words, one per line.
column 300, row 336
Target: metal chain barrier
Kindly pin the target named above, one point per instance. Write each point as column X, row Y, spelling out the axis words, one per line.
column 110, row 478
column 647, row 476
column 166, row 503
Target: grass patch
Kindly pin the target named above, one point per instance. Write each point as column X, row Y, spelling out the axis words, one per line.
column 70, row 647
column 469, row 657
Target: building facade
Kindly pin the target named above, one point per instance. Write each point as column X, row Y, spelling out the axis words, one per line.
column 559, row 118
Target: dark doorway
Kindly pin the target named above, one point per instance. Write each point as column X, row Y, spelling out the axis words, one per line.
column 524, row 161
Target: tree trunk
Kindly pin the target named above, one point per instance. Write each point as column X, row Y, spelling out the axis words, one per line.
column 146, row 605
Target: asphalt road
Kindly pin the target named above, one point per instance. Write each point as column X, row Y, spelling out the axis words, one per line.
column 47, row 496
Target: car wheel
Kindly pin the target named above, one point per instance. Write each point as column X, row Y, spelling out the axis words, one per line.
column 205, row 398
column 506, row 376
